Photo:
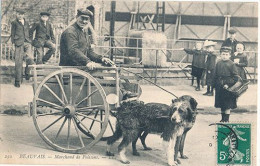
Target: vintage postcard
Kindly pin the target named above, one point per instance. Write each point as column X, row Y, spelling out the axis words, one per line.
column 129, row 82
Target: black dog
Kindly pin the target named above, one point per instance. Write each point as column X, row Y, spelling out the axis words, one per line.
column 172, row 122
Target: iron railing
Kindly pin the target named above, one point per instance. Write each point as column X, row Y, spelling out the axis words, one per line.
column 120, row 48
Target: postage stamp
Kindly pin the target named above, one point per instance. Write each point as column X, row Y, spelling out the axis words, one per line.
column 234, row 143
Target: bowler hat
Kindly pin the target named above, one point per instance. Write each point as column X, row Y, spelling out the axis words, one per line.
column 208, row 43
column 84, row 12
column 232, row 31
column 45, row 14
column 21, row 11
column 225, row 49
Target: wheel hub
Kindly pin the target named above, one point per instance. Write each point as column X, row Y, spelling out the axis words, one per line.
column 69, row 110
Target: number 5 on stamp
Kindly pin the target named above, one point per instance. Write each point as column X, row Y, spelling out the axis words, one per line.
column 234, row 144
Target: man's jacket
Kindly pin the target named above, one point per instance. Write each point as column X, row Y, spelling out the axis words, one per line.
column 20, row 32
column 43, row 33
column 75, row 48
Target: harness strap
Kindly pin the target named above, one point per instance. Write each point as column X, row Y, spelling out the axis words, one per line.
column 151, row 83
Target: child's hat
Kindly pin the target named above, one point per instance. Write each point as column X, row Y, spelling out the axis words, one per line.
column 225, row 49
column 208, row 43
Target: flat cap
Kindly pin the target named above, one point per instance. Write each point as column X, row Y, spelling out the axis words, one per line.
column 225, row 49
column 232, row 31
column 84, row 12
column 21, row 11
column 45, row 14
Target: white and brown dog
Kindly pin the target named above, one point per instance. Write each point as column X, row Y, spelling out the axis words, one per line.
column 172, row 122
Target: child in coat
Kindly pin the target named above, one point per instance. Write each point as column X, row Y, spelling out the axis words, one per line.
column 226, row 75
column 210, row 66
column 198, row 62
column 240, row 59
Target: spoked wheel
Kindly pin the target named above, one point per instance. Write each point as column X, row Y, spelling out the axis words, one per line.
column 70, row 111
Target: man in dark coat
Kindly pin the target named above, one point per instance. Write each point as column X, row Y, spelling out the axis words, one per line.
column 231, row 41
column 75, row 47
column 20, row 39
column 44, row 38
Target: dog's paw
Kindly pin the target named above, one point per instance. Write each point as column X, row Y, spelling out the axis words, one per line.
column 178, row 161
column 136, row 153
column 147, row 148
column 184, row 157
column 109, row 153
column 125, row 162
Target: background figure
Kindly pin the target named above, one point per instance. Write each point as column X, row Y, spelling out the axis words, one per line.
column 44, row 38
column 90, row 30
column 210, row 66
column 240, row 59
column 21, row 41
column 231, row 41
column 226, row 75
column 198, row 62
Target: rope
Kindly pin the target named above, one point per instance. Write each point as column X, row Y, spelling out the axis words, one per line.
column 151, row 82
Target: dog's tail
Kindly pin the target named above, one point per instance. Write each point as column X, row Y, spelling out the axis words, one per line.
column 116, row 135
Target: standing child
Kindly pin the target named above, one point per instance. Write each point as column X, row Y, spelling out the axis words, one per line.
column 90, row 28
column 198, row 62
column 240, row 59
column 226, row 75
column 21, row 41
column 210, row 66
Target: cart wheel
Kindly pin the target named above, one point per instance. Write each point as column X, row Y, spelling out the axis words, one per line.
column 70, row 111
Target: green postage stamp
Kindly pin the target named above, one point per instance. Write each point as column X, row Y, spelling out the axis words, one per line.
column 234, row 144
